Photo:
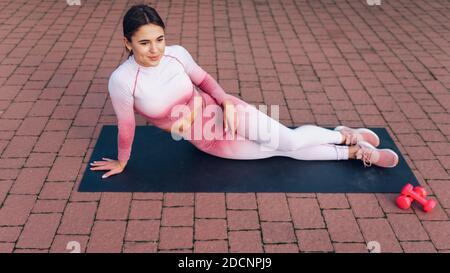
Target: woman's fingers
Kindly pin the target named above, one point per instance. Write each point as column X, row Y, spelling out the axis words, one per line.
column 101, row 168
column 99, row 163
column 111, row 172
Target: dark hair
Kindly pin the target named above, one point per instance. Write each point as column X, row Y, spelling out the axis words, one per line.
column 137, row 16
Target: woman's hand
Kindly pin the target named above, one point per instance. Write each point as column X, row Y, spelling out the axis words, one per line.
column 230, row 118
column 182, row 125
column 113, row 166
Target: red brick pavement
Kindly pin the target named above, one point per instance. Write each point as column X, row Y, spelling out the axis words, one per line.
column 322, row 62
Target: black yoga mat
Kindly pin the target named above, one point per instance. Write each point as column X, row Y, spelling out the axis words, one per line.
column 160, row 164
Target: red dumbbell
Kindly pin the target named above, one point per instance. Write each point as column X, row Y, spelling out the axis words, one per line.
column 405, row 204
column 409, row 194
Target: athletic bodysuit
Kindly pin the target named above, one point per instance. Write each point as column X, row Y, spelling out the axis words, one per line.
column 154, row 91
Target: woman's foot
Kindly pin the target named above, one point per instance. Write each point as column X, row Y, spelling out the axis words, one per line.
column 352, row 136
column 364, row 151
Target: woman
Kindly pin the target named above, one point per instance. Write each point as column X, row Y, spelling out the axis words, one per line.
column 155, row 79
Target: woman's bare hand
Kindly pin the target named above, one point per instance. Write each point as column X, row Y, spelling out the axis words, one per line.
column 113, row 166
column 230, row 118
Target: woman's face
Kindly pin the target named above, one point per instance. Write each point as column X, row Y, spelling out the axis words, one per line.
column 148, row 44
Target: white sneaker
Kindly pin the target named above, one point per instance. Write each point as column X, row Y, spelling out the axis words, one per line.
column 385, row 158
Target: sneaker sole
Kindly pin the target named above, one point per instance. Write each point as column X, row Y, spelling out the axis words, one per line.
column 364, row 130
column 363, row 142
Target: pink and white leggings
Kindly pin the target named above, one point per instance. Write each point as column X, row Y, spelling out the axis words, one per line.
column 307, row 142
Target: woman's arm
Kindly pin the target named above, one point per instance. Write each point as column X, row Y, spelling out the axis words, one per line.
column 211, row 86
column 200, row 77
column 123, row 104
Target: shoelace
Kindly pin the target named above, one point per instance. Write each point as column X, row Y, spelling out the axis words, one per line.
column 350, row 136
column 365, row 156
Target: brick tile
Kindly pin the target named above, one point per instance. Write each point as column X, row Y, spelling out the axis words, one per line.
column 11, row 163
column 140, row 247
column 80, row 132
column 69, row 244
column 350, row 248
column 40, row 160
column 9, row 174
column 39, row 231
column 142, row 230
column 6, row 247
column 241, row 201
column 77, row 196
column 50, row 142
column 30, row 250
column 438, row 213
column 49, row 206
column 332, row 201
column 220, row 246
column 20, row 146
column 314, row 240
column 418, row 247
column 175, row 238
column 407, row 227
column 365, row 206
column 278, row 232
column 74, row 147
column 342, row 226
column 245, row 242
column 87, row 117
column 8, row 92
column 441, row 189
column 16, row 209
column 240, row 220
column 5, row 185
column 107, row 236
column 281, row 248
column 17, row 110
column 145, row 210
column 387, row 203
column 148, row 196
column 210, row 229
column 65, row 112
column 273, row 207
column 176, row 251
column 439, row 232
column 30, row 181
column 210, row 205
column 114, row 206
column 178, row 216
column 77, row 88
column 56, row 190
column 9, row 234
column 65, row 169
column 43, row 108
column 178, row 199
column 380, row 231
column 9, row 124
column 94, row 100
column 32, row 126
column 306, row 213
column 78, row 218
column 431, row 169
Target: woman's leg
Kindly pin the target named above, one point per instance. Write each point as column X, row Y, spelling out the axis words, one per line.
column 247, row 149
column 259, row 127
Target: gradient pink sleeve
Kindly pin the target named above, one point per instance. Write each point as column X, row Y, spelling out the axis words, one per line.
column 123, row 104
column 201, row 78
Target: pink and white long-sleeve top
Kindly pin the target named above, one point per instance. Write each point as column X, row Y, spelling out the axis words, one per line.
column 154, row 91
